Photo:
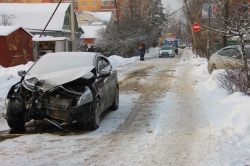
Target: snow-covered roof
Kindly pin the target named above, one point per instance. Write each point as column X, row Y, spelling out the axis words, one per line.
column 90, row 31
column 36, row 15
column 48, row 38
column 6, row 30
column 104, row 16
column 96, row 23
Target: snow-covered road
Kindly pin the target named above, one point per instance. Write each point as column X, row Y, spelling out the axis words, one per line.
column 163, row 119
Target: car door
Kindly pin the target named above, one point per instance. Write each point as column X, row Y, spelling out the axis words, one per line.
column 112, row 81
column 236, row 57
column 224, row 58
column 103, row 83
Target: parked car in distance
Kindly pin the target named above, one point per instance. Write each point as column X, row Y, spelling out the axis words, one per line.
column 227, row 56
column 167, row 51
column 181, row 45
column 64, row 88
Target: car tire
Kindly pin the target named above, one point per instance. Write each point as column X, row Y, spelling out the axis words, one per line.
column 213, row 68
column 96, row 115
column 15, row 120
column 115, row 103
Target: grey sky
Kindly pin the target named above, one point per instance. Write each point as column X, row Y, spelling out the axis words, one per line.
column 175, row 4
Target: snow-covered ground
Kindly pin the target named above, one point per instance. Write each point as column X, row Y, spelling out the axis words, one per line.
column 228, row 115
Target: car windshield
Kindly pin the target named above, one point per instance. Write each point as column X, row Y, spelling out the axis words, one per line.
column 166, row 48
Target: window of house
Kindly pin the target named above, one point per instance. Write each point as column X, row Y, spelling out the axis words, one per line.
column 113, row 3
column 75, row 4
column 105, row 3
column 94, row 4
column 66, row 20
column 84, row 4
column 124, row 3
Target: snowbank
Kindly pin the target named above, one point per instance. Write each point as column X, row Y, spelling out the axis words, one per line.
column 227, row 113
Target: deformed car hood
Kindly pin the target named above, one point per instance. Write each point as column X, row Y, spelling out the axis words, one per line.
column 50, row 80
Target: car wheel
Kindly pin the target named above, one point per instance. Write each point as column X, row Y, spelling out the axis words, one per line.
column 15, row 119
column 213, row 68
column 96, row 115
column 115, row 103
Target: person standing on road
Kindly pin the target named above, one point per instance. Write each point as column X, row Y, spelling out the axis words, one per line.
column 142, row 50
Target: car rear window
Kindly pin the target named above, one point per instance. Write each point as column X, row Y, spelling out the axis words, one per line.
column 166, row 48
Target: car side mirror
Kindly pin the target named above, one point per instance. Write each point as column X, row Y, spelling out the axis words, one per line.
column 237, row 56
column 104, row 74
column 21, row 73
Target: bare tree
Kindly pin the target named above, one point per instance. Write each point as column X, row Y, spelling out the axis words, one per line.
column 136, row 26
column 232, row 19
column 6, row 20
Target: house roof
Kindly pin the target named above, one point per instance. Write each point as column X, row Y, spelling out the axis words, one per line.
column 91, row 31
column 104, row 16
column 36, row 15
column 6, row 30
column 36, row 38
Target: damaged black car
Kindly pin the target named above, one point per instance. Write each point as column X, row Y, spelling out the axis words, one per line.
column 64, row 88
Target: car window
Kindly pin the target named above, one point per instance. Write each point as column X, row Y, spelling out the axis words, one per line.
column 236, row 53
column 100, row 65
column 107, row 65
column 226, row 52
column 103, row 65
column 166, row 48
column 248, row 52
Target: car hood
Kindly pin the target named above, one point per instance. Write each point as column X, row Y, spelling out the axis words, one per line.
column 48, row 81
column 46, row 74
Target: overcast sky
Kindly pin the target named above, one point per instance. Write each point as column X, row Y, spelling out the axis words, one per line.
column 175, row 4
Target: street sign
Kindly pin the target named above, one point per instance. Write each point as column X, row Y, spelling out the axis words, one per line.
column 209, row 9
column 196, row 27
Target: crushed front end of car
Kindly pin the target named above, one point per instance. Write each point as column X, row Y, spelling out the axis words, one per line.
column 61, row 105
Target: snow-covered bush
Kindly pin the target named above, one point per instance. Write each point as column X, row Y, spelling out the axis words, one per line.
column 135, row 27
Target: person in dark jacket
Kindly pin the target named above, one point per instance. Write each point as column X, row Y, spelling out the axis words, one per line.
column 91, row 49
column 142, row 50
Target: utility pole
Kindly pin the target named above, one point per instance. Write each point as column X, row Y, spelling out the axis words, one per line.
column 208, row 42
column 190, row 24
column 224, row 37
column 50, row 18
column 72, row 22
column 116, row 13
column 179, row 33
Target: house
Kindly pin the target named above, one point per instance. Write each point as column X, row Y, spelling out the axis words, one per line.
column 15, row 46
column 93, row 18
column 91, row 33
column 35, row 16
column 47, row 44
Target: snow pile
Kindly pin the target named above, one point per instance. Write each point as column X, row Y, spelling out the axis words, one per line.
column 227, row 113
column 118, row 61
column 153, row 53
column 8, row 77
column 234, row 113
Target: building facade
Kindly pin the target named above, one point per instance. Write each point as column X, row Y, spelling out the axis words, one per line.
column 15, row 46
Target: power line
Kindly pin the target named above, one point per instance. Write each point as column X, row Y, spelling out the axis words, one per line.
column 175, row 11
